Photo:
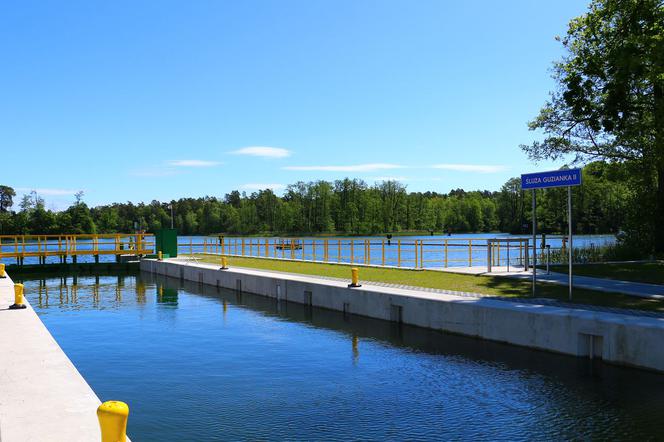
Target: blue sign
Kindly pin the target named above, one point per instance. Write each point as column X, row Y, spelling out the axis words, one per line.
column 554, row 178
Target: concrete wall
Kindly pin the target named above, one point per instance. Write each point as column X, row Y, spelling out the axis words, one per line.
column 621, row 339
column 42, row 395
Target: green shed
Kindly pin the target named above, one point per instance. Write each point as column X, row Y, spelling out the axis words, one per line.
column 166, row 240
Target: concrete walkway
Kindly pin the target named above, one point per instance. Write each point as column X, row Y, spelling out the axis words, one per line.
column 642, row 290
column 42, row 395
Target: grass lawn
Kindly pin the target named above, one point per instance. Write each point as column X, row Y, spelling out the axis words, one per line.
column 442, row 280
column 650, row 272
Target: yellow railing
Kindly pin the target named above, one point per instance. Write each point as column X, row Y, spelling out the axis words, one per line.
column 403, row 252
column 23, row 246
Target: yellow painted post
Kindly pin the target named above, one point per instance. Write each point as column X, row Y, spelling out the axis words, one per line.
column 2, row 271
column 470, row 253
column 398, row 253
column 383, row 252
column 224, row 263
column 113, row 417
column 355, row 277
column 18, row 298
column 421, row 254
column 159, row 255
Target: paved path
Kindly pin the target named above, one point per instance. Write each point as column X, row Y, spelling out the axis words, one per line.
column 642, row 290
column 42, row 395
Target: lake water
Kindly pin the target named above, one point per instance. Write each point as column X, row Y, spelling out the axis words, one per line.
column 197, row 363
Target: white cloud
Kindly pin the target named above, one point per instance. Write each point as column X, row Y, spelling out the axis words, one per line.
column 370, row 167
column 193, row 163
column 476, row 168
column 389, row 178
column 259, row 186
column 264, row 152
column 47, row 191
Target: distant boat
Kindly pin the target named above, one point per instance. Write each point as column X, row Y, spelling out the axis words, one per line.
column 294, row 244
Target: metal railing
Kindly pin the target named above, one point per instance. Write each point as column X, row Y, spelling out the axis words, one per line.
column 23, row 246
column 406, row 253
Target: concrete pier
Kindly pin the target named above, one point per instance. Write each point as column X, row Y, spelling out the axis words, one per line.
column 623, row 339
column 42, row 395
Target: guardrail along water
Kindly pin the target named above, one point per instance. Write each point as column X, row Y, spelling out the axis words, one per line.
column 408, row 252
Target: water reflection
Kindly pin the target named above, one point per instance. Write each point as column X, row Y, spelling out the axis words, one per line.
column 69, row 288
column 166, row 295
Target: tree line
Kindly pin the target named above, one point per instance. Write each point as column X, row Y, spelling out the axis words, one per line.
column 348, row 206
column 608, row 105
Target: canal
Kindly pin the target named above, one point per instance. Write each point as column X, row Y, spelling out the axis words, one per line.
column 198, row 363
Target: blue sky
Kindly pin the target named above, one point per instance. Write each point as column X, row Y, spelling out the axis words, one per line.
column 147, row 100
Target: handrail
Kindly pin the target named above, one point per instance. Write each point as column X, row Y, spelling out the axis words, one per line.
column 64, row 245
column 407, row 253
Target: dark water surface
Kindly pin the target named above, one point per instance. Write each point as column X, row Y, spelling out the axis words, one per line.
column 195, row 363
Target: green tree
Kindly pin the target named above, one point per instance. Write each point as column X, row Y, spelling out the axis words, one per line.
column 6, row 198
column 610, row 101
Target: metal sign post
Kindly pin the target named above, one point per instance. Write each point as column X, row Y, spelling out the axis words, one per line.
column 542, row 180
column 534, row 242
column 569, row 227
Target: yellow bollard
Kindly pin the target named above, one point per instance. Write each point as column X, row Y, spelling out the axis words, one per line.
column 224, row 263
column 2, row 271
column 355, row 277
column 18, row 298
column 160, row 256
column 112, row 417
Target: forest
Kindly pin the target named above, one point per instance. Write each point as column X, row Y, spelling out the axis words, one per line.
column 349, row 206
